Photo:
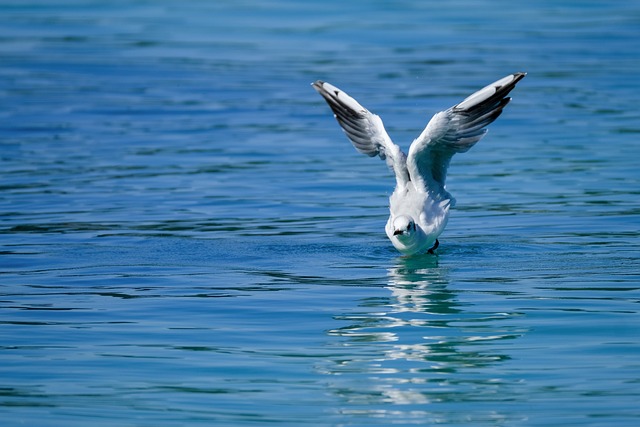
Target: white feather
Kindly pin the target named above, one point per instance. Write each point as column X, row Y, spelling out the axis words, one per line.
column 419, row 206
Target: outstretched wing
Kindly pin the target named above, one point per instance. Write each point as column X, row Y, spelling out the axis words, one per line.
column 456, row 130
column 364, row 129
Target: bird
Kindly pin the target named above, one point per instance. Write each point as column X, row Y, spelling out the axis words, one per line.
column 420, row 203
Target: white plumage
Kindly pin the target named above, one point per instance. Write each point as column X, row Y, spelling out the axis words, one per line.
column 419, row 206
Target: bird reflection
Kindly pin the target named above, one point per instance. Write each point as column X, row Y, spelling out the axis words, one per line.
column 419, row 286
column 420, row 343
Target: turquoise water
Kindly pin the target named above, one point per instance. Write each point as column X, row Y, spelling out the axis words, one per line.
column 187, row 238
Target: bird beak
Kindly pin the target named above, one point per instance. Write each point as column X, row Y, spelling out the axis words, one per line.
column 396, row 232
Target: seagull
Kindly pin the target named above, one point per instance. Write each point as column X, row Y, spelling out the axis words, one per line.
column 419, row 206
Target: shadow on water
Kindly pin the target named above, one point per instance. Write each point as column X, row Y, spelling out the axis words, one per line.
column 420, row 345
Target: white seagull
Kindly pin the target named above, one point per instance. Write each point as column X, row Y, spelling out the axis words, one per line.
column 419, row 206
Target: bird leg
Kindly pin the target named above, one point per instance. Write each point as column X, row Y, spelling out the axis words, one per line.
column 434, row 247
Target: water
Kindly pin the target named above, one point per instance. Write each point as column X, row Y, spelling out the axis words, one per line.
column 188, row 239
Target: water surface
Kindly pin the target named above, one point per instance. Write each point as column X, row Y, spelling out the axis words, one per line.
column 187, row 238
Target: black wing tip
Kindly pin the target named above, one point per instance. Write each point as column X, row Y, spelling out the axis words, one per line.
column 508, row 87
column 318, row 86
column 518, row 76
column 499, row 99
column 326, row 93
column 342, row 111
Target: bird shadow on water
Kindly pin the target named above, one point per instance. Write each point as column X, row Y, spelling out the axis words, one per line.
column 418, row 344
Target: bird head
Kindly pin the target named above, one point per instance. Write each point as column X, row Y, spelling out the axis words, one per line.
column 403, row 226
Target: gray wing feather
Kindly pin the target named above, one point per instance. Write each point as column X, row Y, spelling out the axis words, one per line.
column 456, row 130
column 364, row 129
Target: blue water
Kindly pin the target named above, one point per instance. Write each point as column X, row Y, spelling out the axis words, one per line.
column 187, row 238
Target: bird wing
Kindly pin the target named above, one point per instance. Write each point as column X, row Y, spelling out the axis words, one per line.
column 456, row 130
column 364, row 129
